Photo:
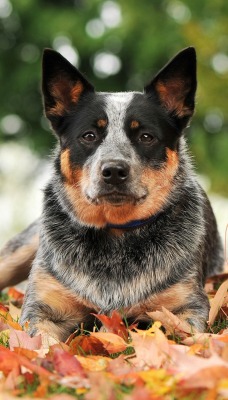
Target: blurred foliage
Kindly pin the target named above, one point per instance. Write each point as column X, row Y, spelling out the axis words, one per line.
column 142, row 36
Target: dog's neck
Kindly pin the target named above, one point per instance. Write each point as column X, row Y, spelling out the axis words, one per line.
column 134, row 224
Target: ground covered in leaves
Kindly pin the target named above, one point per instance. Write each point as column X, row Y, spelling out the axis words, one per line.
column 167, row 361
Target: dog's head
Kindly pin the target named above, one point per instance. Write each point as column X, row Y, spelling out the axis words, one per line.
column 119, row 151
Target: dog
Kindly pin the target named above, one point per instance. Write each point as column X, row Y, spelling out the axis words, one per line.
column 125, row 224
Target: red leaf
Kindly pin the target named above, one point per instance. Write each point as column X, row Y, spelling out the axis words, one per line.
column 114, row 324
column 66, row 364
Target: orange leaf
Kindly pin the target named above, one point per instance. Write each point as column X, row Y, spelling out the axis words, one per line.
column 217, row 301
column 8, row 361
column 15, row 294
column 112, row 343
column 6, row 317
column 94, row 363
column 114, row 324
column 30, row 354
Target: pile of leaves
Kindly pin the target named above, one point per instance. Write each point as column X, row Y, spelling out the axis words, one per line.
column 167, row 361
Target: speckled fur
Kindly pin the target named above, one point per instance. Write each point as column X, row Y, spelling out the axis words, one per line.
column 82, row 268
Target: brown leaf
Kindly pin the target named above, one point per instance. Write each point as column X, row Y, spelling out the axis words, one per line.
column 217, row 301
column 82, row 345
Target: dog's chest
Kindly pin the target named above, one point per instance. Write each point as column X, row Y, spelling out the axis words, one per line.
column 110, row 275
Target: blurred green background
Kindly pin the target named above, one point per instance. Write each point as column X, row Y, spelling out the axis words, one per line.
column 119, row 45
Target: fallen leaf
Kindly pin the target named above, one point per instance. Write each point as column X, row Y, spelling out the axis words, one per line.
column 217, row 301
column 15, row 294
column 171, row 322
column 67, row 364
column 111, row 342
column 7, row 318
column 147, row 351
column 114, row 324
column 14, row 311
column 22, row 339
column 83, row 345
column 207, row 378
column 30, row 354
column 94, row 363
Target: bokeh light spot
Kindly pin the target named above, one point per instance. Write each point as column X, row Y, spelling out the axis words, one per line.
column 11, row 124
column 106, row 64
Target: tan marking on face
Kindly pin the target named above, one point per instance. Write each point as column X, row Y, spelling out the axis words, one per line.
column 66, row 166
column 172, row 298
column 172, row 95
column 64, row 93
column 102, row 123
column 15, row 266
column 158, row 182
column 134, row 124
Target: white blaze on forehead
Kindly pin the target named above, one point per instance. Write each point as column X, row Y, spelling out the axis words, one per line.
column 116, row 105
column 116, row 144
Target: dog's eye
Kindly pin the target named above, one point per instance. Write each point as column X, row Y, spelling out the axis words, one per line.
column 146, row 138
column 89, row 136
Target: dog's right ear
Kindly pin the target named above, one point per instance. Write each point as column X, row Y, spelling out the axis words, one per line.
column 62, row 84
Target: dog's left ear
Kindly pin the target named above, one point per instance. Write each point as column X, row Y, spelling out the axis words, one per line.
column 63, row 85
column 175, row 86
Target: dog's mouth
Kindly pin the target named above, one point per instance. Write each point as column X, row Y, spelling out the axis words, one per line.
column 116, row 199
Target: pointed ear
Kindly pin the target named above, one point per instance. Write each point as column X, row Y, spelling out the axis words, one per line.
column 175, row 85
column 63, row 85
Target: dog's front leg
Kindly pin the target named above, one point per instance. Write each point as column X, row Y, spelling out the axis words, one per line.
column 52, row 308
column 186, row 299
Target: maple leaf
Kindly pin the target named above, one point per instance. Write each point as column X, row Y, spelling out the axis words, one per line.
column 22, row 339
column 67, row 364
column 114, row 324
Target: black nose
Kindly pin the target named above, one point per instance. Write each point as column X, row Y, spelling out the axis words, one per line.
column 115, row 172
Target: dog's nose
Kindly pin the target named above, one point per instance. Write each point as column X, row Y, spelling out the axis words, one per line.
column 114, row 172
